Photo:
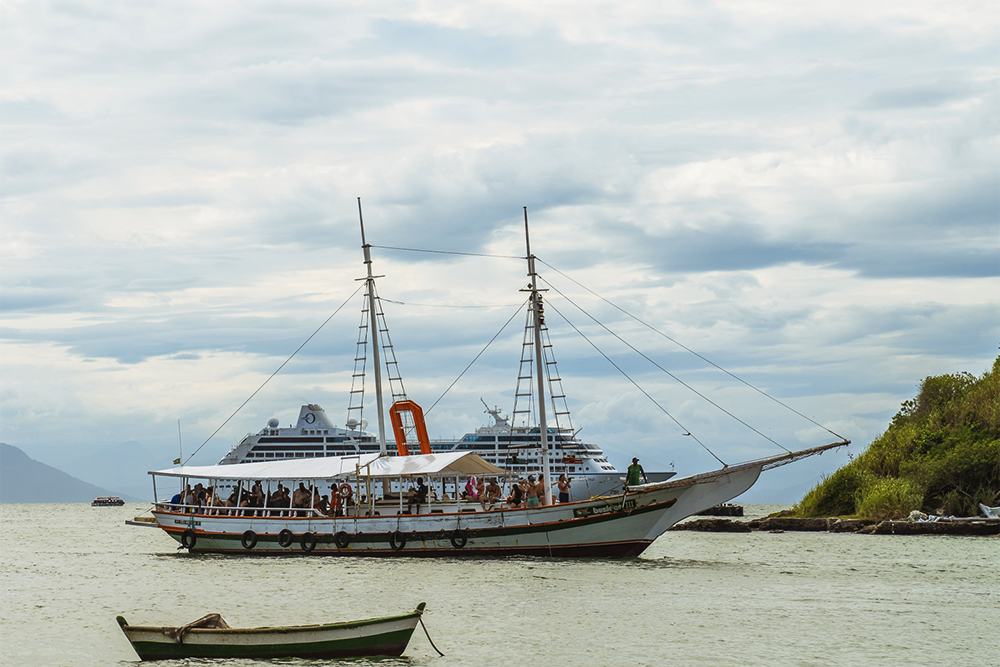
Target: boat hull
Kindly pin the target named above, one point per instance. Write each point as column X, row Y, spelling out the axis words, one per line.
column 374, row 637
column 623, row 525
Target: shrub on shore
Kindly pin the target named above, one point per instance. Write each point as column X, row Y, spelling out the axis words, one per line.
column 941, row 452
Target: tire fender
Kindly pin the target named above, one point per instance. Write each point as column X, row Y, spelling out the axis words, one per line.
column 249, row 539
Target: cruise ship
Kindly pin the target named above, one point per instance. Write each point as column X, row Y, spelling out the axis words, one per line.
column 511, row 447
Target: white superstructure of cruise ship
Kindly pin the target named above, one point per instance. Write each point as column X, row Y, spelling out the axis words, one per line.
column 514, row 448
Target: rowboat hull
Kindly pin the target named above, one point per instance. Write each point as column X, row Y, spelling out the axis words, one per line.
column 373, row 637
column 623, row 525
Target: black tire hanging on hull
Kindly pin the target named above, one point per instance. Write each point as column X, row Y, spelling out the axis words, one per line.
column 459, row 538
column 341, row 539
column 189, row 539
column 397, row 540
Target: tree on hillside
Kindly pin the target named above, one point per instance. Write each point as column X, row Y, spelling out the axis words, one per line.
column 940, row 454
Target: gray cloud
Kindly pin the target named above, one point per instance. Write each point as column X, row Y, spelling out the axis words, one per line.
column 810, row 197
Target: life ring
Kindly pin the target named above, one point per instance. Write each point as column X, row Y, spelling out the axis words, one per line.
column 341, row 539
column 285, row 538
column 345, row 490
column 249, row 539
column 189, row 539
column 397, row 540
column 307, row 542
column 459, row 538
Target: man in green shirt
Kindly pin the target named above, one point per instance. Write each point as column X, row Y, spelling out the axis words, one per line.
column 634, row 472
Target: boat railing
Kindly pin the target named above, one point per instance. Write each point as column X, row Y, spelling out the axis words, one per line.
column 221, row 510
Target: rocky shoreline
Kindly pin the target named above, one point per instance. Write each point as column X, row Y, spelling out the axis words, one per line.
column 972, row 526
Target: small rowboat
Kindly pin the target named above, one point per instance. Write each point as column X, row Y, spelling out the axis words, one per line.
column 211, row 637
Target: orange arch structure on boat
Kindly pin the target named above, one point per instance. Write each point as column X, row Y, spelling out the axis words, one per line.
column 417, row 413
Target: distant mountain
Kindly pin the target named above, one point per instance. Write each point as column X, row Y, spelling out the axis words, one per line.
column 25, row 480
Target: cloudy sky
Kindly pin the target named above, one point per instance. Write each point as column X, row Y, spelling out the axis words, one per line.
column 804, row 193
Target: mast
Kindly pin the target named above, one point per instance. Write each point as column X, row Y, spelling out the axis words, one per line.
column 536, row 323
column 370, row 280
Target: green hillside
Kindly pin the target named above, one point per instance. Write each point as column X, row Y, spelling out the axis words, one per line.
column 941, row 452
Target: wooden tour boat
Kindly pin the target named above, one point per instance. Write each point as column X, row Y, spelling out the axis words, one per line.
column 619, row 524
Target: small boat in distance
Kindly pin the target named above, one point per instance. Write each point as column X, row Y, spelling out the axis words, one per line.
column 211, row 637
column 109, row 501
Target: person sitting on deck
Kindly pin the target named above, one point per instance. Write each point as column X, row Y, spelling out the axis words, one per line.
column 300, row 498
column 492, row 495
column 276, row 496
column 324, row 505
column 419, row 498
column 317, row 499
column 481, row 492
column 516, row 496
column 256, row 495
column 286, row 501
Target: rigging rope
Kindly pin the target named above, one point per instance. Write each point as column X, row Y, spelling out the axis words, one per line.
column 274, row 373
column 689, row 387
column 447, row 252
column 620, row 370
column 686, row 348
column 440, row 305
column 519, row 307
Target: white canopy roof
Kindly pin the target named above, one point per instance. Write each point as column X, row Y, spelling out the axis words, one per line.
column 458, row 463
column 329, row 467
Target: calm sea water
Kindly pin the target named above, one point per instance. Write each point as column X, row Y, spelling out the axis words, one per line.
column 692, row 599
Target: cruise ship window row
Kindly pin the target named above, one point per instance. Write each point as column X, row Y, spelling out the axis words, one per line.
column 515, row 438
column 307, row 439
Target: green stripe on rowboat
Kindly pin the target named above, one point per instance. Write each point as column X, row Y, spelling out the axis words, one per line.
column 389, row 643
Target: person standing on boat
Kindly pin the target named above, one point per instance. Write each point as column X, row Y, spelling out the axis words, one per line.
column 531, row 493
column 540, row 487
column 634, row 472
column 563, row 488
